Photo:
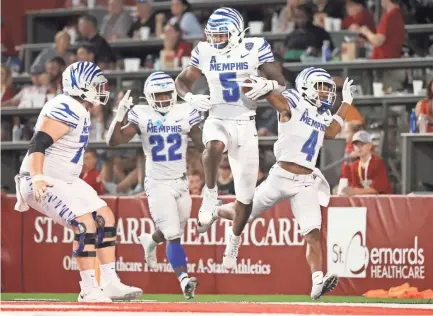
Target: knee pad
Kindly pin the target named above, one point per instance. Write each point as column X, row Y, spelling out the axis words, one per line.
column 103, row 232
column 83, row 238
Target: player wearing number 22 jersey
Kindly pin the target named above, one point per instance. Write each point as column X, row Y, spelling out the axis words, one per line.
column 164, row 127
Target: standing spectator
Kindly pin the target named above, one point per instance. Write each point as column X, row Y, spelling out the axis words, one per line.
column 60, row 48
column 174, row 47
column 286, row 22
column 195, row 182
column 87, row 27
column 368, row 174
column 90, row 174
column 186, row 19
column 425, row 107
column 145, row 18
column 225, row 182
column 358, row 15
column 117, row 23
column 7, row 91
column 328, row 8
column 54, row 68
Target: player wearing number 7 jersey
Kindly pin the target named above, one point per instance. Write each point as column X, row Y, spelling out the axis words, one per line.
column 300, row 136
column 49, row 181
column 164, row 127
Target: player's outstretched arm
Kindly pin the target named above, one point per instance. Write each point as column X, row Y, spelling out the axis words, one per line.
column 49, row 132
column 272, row 71
column 184, row 83
column 338, row 118
column 196, row 136
column 279, row 103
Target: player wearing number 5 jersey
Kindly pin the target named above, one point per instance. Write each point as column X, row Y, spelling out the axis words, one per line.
column 227, row 59
column 300, row 136
column 164, row 127
column 49, row 181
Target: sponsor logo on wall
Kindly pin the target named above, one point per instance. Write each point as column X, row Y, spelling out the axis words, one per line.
column 349, row 256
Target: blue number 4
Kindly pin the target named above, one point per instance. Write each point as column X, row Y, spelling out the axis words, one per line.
column 231, row 93
column 158, row 142
column 309, row 147
column 84, row 139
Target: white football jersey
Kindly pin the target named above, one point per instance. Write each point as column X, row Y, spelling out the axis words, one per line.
column 224, row 73
column 165, row 138
column 64, row 158
column 300, row 139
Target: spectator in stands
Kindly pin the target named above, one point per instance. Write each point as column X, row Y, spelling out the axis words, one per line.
column 368, row 174
column 90, row 174
column 174, row 47
column 286, row 22
column 117, row 23
column 195, row 182
column 306, row 35
column 358, row 15
column 145, row 18
column 54, row 68
column 425, row 107
column 60, row 48
column 225, row 181
column 87, row 27
column 186, row 19
column 328, row 8
column 86, row 52
column 7, row 91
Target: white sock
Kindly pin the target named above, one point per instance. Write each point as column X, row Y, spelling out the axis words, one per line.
column 233, row 237
column 108, row 272
column 212, row 191
column 88, row 278
column 153, row 244
column 183, row 279
column 317, row 277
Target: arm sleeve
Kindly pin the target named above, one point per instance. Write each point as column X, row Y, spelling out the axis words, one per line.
column 62, row 112
column 194, row 117
column 265, row 54
column 195, row 58
column 133, row 117
column 292, row 97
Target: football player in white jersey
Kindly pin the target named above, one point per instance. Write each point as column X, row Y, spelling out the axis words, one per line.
column 227, row 59
column 300, row 136
column 164, row 127
column 49, row 181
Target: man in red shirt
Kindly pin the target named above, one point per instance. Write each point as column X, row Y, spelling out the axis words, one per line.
column 90, row 174
column 389, row 38
column 368, row 174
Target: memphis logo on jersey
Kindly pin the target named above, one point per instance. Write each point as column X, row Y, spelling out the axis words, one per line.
column 214, row 66
column 305, row 118
column 159, row 127
column 86, row 127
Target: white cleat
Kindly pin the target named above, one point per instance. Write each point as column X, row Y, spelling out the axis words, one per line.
column 116, row 290
column 231, row 254
column 92, row 295
column 202, row 228
column 189, row 289
column 208, row 205
column 149, row 251
column 328, row 284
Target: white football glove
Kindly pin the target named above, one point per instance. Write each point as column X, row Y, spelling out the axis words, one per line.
column 259, row 87
column 347, row 91
column 124, row 105
column 199, row 102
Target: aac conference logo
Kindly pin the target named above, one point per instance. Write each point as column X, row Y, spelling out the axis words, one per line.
column 348, row 254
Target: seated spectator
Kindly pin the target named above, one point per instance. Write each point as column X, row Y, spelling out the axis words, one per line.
column 145, row 18
column 60, row 48
column 305, row 35
column 54, row 68
column 90, row 174
column 186, row 19
column 358, row 15
column 117, row 23
column 286, row 22
column 328, row 8
column 87, row 27
column 174, row 47
column 425, row 107
column 6, row 84
column 195, row 182
column 225, row 182
column 86, row 52
column 368, row 174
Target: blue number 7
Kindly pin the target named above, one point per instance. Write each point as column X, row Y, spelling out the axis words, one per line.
column 84, row 140
column 309, row 147
column 231, row 92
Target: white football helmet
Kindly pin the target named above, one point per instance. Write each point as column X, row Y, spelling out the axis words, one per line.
column 316, row 86
column 85, row 80
column 228, row 22
column 160, row 82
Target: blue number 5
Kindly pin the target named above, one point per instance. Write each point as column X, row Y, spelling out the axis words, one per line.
column 158, row 141
column 231, row 92
column 309, row 147
column 84, row 139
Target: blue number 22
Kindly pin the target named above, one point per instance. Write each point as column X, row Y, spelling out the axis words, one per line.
column 231, row 93
column 158, row 142
column 84, row 139
column 309, row 147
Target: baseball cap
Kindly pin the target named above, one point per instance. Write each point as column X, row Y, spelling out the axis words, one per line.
column 361, row 136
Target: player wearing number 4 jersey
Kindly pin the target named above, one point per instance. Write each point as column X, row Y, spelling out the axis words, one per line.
column 227, row 59
column 164, row 127
column 49, row 181
column 300, row 137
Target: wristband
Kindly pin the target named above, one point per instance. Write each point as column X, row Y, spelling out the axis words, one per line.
column 339, row 119
column 38, row 177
